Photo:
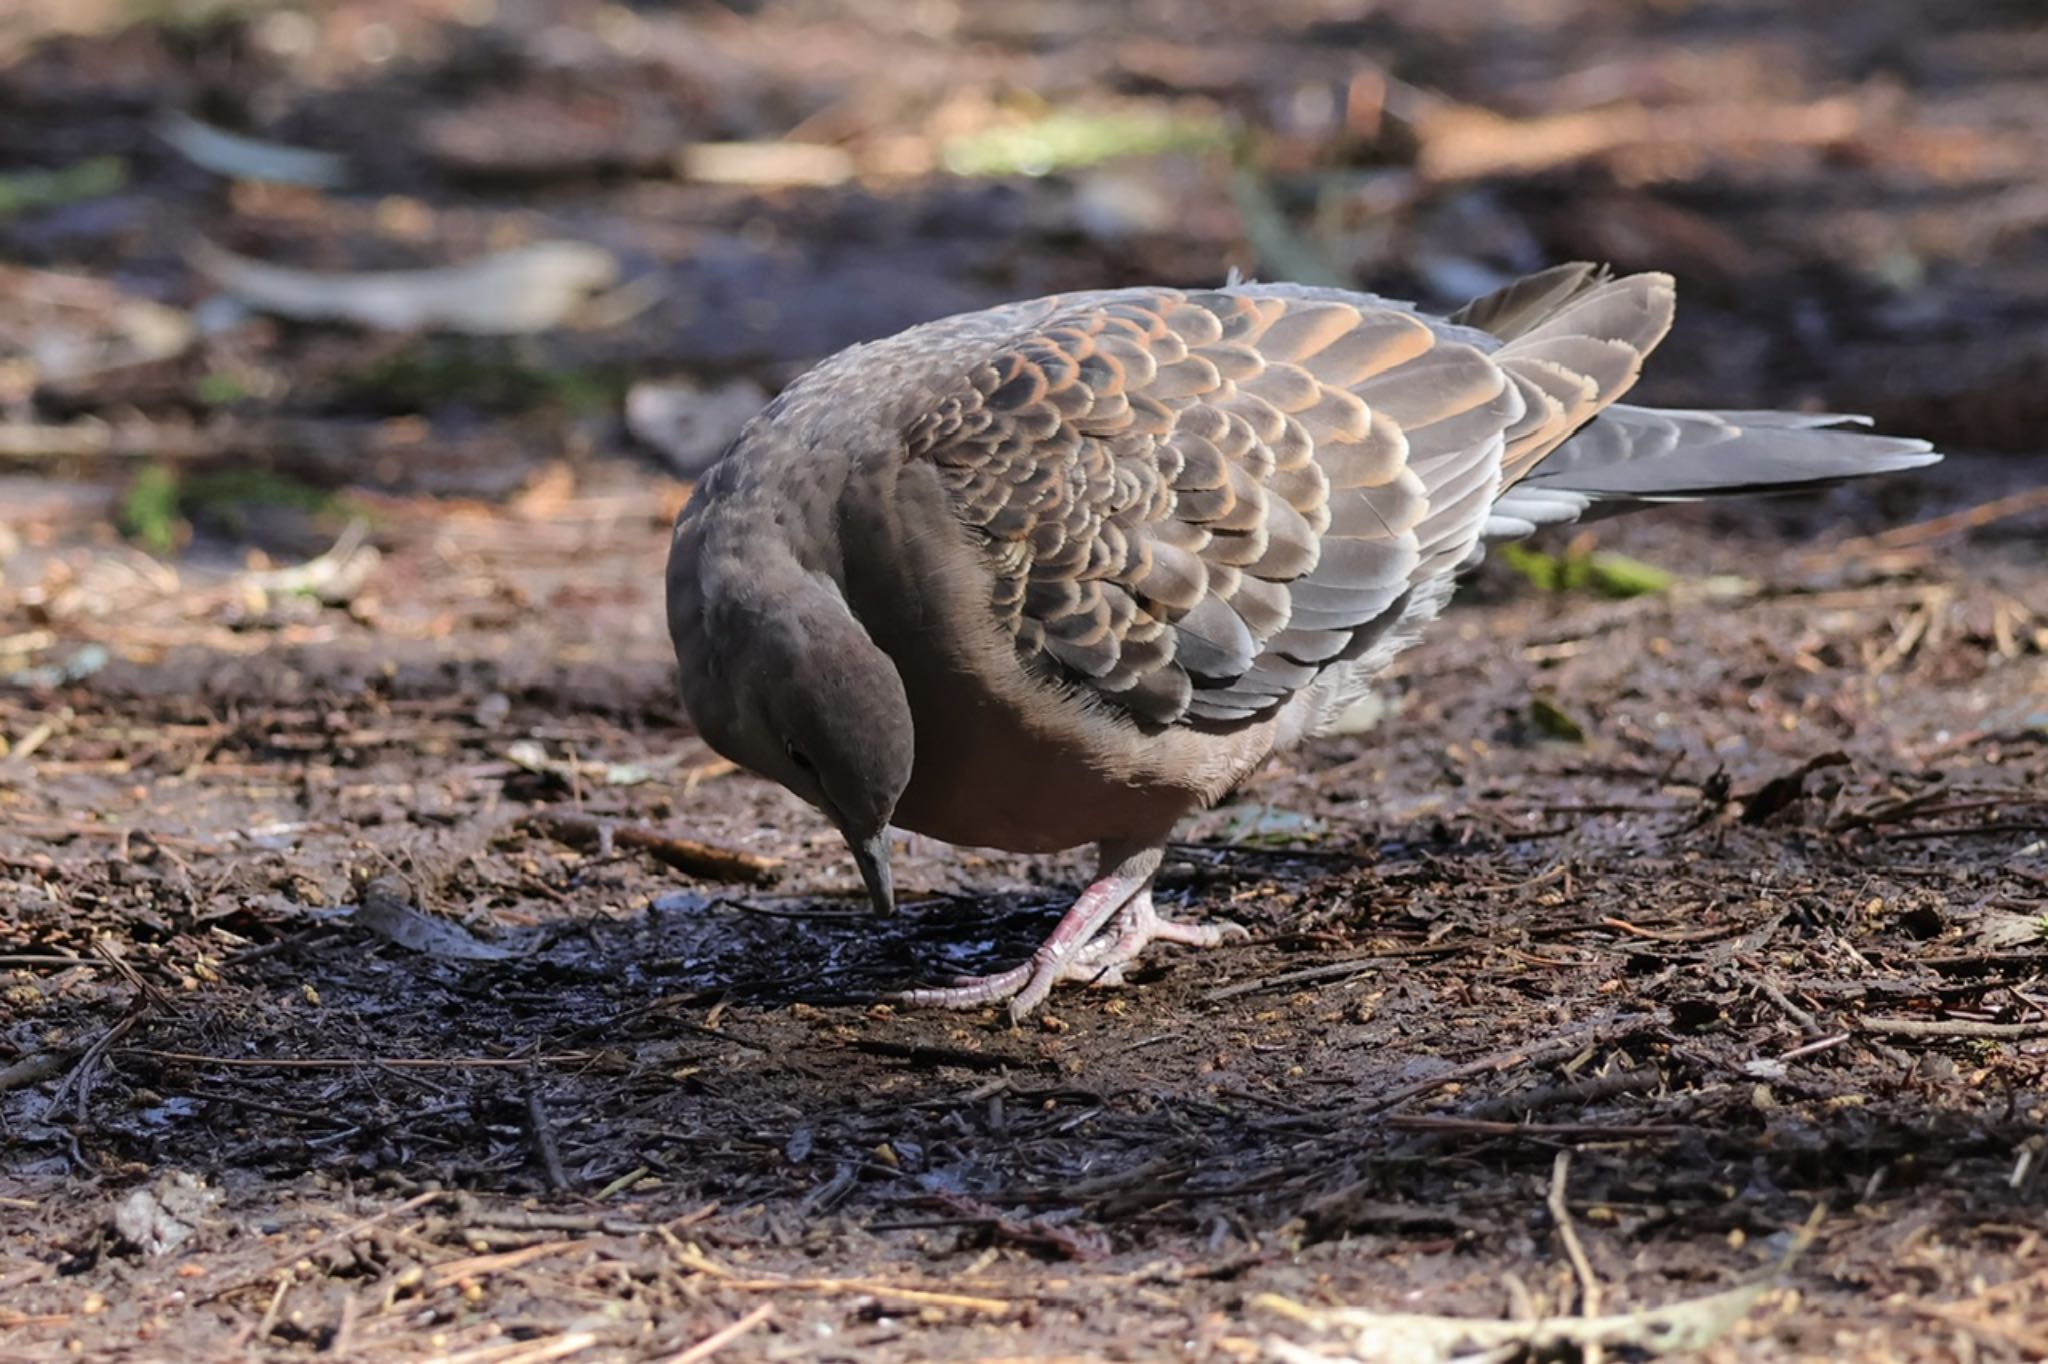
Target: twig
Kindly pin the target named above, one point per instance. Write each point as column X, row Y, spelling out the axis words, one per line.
column 476, row 1266
column 1451, row 1122
column 562, row 1346
column 1689, row 935
column 1460, row 142
column 1921, row 532
column 1951, row 1027
column 1888, row 811
column 520, row 1219
column 269, row 1318
column 929, row 1057
column 1529, row 1054
column 78, row 1084
column 723, row 1337
column 1589, row 1286
column 343, row 1342
column 34, row 1069
column 1521, row 1103
column 544, row 1144
column 692, row 1258
column 1336, row 970
column 1808, row 1024
column 686, row 855
column 1827, row 1043
column 352, row 1062
column 1348, row 967
column 924, row 1297
column 1989, row 829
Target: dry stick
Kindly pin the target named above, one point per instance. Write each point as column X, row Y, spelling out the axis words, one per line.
column 691, row 1257
column 1350, row 966
column 1450, row 1122
column 723, row 1337
column 1589, row 1286
column 342, row 1343
column 684, row 854
column 1987, row 830
column 34, row 1069
column 1529, row 1054
column 1461, row 142
column 924, row 1297
column 1389, row 956
column 476, row 1266
column 522, row 1219
column 561, row 1347
column 1920, row 532
column 1888, row 811
column 27, row 442
column 351, row 1062
column 1951, row 1027
column 1808, row 1024
column 544, row 1144
column 1828, row 1043
column 77, row 1085
column 1520, row 1104
column 270, row 1313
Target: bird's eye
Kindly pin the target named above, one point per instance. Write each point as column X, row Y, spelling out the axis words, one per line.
column 796, row 756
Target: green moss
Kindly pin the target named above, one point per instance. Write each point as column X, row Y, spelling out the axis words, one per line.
column 1062, row 139
column 24, row 191
column 435, row 372
column 218, row 388
column 1553, row 722
column 161, row 504
column 149, row 510
column 1600, row 571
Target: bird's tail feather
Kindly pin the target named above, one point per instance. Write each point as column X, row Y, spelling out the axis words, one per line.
column 1631, row 456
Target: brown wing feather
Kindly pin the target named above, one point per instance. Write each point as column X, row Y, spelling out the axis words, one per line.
column 1193, row 503
column 1514, row 308
column 1580, row 356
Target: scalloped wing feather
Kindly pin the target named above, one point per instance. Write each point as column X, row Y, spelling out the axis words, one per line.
column 1193, row 504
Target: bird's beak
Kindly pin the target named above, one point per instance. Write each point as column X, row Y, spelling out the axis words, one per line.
column 872, row 856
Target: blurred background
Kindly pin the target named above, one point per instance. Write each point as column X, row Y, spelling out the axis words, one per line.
column 1855, row 201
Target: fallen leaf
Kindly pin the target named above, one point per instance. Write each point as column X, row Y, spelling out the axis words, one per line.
column 527, row 289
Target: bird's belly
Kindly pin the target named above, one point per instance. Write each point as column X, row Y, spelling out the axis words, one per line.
column 983, row 779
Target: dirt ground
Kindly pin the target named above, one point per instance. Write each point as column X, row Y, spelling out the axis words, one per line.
column 357, row 996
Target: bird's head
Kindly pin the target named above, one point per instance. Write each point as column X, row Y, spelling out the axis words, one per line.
column 780, row 677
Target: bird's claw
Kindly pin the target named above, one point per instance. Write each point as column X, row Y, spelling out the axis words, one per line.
column 1099, row 961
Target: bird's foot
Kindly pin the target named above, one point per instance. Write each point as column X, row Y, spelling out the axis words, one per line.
column 1089, row 946
column 1137, row 926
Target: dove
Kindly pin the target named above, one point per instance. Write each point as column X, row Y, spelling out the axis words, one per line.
column 1066, row 571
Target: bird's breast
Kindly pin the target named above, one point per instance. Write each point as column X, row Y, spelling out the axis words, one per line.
column 1006, row 757
column 984, row 778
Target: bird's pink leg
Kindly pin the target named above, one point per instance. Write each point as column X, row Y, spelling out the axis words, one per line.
column 1083, row 947
column 1137, row 926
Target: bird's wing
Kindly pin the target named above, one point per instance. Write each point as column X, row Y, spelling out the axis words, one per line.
column 1517, row 307
column 1193, row 503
